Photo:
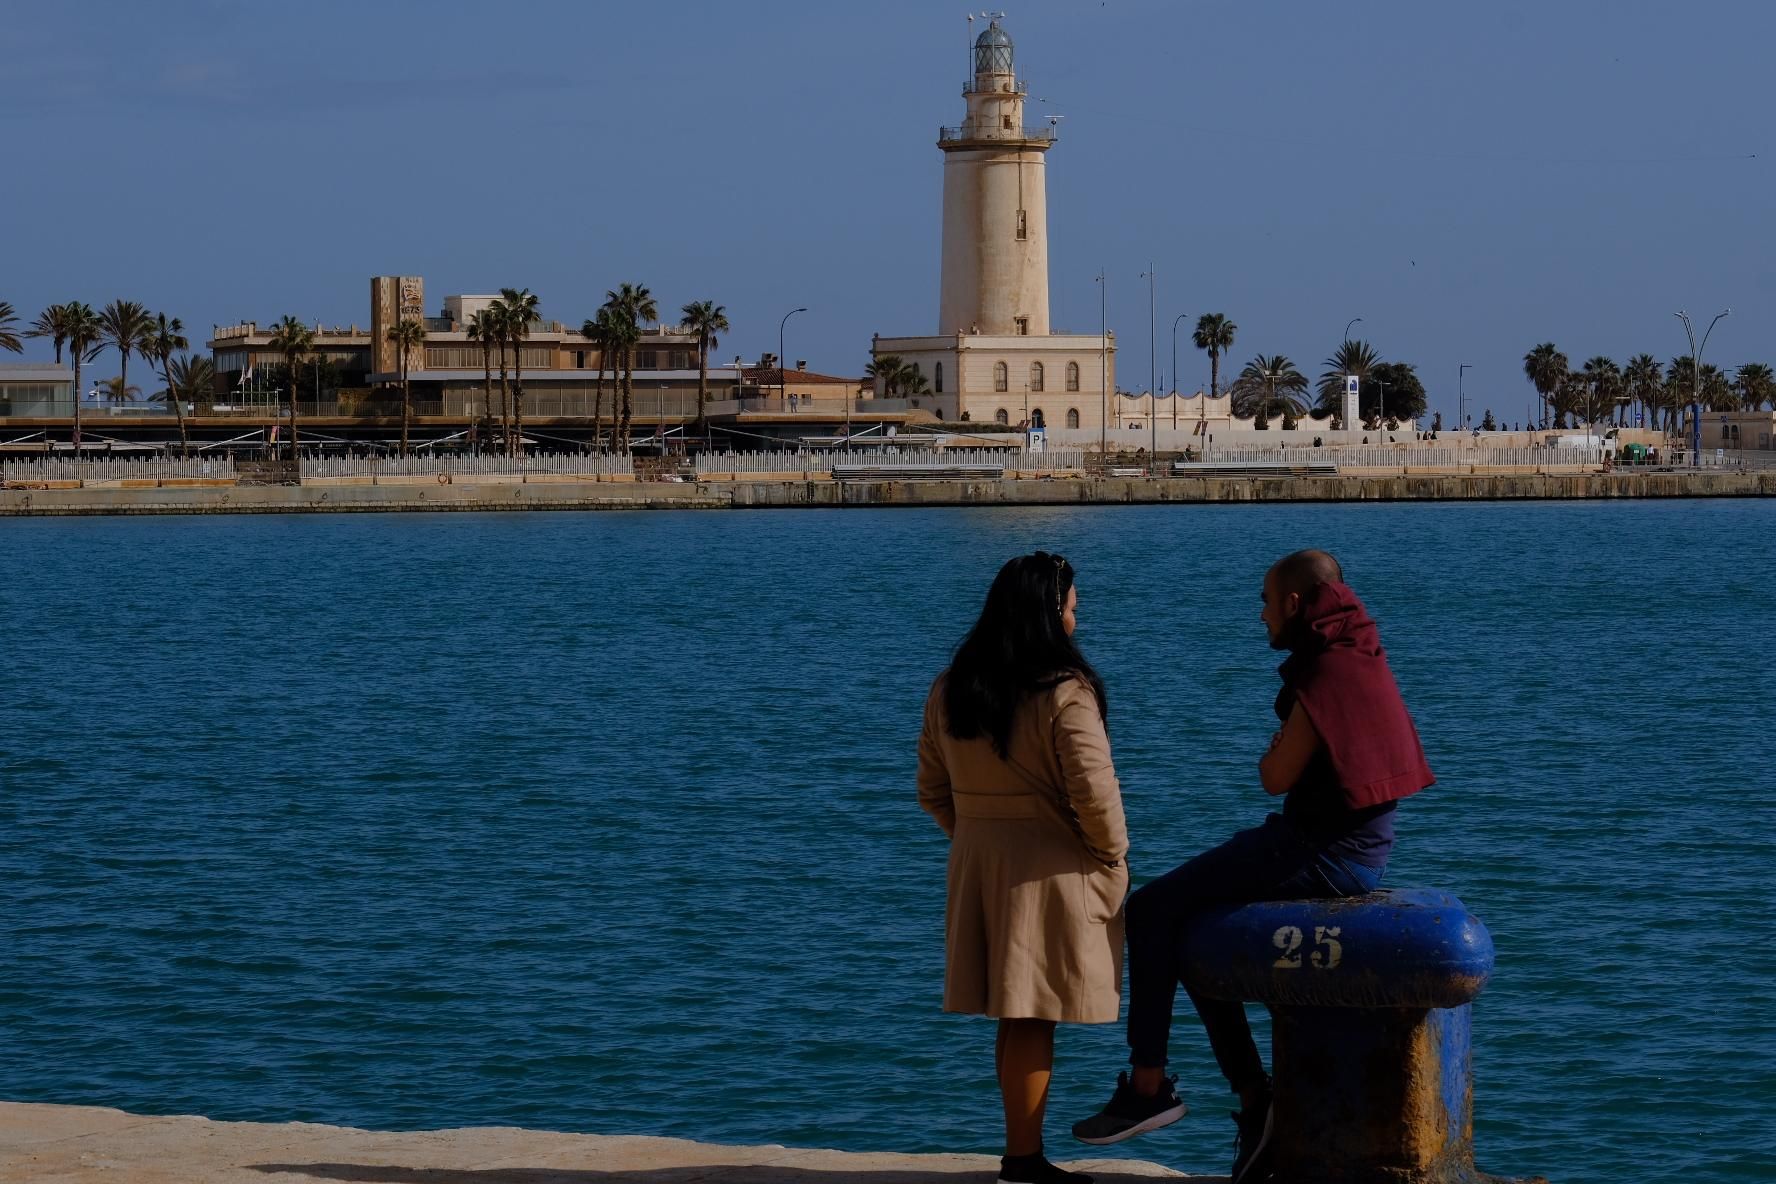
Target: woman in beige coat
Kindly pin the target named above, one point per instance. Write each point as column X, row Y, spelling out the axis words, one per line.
column 1014, row 764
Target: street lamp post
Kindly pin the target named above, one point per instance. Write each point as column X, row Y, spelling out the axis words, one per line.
column 1347, row 327
column 782, row 372
column 1152, row 375
column 1695, row 377
column 1461, row 398
column 1175, row 321
column 1103, row 365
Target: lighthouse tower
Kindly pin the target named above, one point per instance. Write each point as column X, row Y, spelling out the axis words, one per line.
column 995, row 208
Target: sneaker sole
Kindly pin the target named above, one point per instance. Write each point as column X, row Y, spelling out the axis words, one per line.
column 1258, row 1151
column 1164, row 1118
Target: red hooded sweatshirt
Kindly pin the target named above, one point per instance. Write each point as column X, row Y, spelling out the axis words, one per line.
column 1339, row 674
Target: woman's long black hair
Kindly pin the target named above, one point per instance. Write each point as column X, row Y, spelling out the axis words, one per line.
column 1018, row 647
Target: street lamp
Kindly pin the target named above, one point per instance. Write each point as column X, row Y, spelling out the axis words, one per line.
column 1175, row 321
column 1103, row 364
column 1152, row 374
column 1695, row 376
column 1461, row 399
column 1347, row 328
column 782, row 374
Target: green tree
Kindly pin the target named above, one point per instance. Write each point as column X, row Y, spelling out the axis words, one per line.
column 1545, row 367
column 890, row 370
column 52, row 323
column 122, row 325
column 632, row 306
column 1489, row 424
column 1393, row 391
column 520, row 306
column 407, row 335
column 192, row 377
column 118, row 391
column 705, row 318
column 605, row 335
column 483, row 330
column 1643, row 379
column 1603, row 378
column 1214, row 333
column 165, row 338
column 84, row 345
column 9, row 339
column 499, row 320
column 295, row 340
column 1756, row 385
column 1269, row 386
column 1353, row 357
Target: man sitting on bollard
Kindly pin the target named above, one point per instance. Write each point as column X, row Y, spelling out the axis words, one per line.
column 1346, row 753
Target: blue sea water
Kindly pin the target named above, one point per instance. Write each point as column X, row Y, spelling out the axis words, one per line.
column 605, row 822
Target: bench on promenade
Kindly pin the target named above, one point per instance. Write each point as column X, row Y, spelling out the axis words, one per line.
column 918, row 472
column 1255, row 468
column 1370, row 1001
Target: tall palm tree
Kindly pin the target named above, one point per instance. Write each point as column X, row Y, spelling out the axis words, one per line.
column 1353, row 357
column 1756, row 384
column 121, row 326
column 601, row 331
column 625, row 334
column 1545, row 367
column 498, row 320
column 166, row 337
column 483, row 331
column 521, row 309
column 705, row 318
column 52, row 323
column 1717, row 391
column 1269, row 386
column 1604, row 378
column 9, row 339
column 1643, row 380
column 407, row 334
column 634, row 306
column 891, row 369
column 118, row 391
column 1214, row 333
column 294, row 340
column 192, row 377
column 83, row 346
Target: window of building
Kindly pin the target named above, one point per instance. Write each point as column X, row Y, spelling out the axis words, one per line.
column 937, row 378
column 1072, row 376
column 1000, row 416
column 1001, row 377
column 1022, row 227
column 1036, row 419
column 1005, row 122
column 579, row 359
column 1023, row 326
column 1072, row 417
column 1035, row 376
column 647, row 359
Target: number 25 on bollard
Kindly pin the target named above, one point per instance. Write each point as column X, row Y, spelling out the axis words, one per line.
column 1326, row 954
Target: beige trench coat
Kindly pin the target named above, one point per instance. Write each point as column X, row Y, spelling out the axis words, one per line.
column 1038, row 861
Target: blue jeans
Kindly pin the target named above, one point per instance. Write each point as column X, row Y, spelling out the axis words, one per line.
column 1268, row 862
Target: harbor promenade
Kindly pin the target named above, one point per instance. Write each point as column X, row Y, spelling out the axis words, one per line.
column 43, row 1144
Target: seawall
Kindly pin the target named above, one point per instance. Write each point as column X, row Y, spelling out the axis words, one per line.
column 787, row 493
column 86, row 1144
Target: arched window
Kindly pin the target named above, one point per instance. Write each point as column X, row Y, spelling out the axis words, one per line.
column 937, row 380
column 1073, row 414
column 1072, row 376
column 1000, row 416
column 1001, row 377
column 1035, row 376
column 1036, row 419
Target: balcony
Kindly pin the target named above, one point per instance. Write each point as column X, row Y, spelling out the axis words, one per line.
column 991, row 135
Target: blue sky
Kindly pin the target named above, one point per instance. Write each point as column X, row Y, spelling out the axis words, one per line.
column 1470, row 180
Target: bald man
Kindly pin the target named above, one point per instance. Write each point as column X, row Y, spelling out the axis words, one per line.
column 1345, row 754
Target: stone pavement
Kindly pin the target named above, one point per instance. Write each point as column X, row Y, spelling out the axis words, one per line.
column 82, row 1144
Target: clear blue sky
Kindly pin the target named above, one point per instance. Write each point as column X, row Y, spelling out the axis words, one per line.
column 1469, row 180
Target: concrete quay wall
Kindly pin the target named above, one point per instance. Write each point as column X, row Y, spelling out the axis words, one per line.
column 760, row 494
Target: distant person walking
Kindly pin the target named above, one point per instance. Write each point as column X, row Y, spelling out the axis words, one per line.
column 1014, row 765
column 1346, row 753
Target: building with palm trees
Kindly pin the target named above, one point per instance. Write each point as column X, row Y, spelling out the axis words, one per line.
column 995, row 357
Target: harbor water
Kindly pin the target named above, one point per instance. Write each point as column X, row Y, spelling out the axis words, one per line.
column 605, row 822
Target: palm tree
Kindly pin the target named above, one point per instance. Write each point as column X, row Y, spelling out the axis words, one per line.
column 1214, row 333
column 891, row 369
column 407, row 334
column 293, row 339
column 521, row 309
column 8, row 338
column 482, row 330
column 1757, row 385
column 121, row 326
column 706, row 318
column 191, row 377
column 601, row 331
column 1269, row 386
column 52, row 323
column 1717, row 392
column 624, row 334
column 1353, row 357
column 1545, row 367
column 166, row 337
column 117, row 391
column 498, row 321
column 83, row 346
column 1605, row 379
column 913, row 382
column 1642, row 379
column 634, row 306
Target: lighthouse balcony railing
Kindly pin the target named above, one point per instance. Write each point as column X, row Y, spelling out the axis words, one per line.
column 967, row 132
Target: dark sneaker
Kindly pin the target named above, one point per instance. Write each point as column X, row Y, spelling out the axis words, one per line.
column 1251, row 1143
column 1130, row 1113
column 1035, row 1169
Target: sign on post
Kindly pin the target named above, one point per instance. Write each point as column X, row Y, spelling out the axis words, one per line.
column 1352, row 385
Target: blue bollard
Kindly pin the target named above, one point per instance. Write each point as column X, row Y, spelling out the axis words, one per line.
column 1370, row 1001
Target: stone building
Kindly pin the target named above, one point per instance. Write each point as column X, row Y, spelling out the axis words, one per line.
column 995, row 357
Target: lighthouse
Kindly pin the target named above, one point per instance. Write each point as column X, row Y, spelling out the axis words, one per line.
column 995, row 208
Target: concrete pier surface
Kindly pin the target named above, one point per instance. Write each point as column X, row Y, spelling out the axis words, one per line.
column 822, row 492
column 42, row 1144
